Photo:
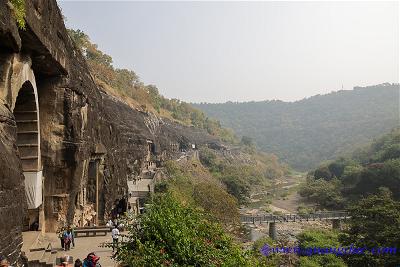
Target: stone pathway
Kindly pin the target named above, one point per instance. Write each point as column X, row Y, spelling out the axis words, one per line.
column 85, row 245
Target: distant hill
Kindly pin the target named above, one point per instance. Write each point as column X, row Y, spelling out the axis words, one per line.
column 307, row 132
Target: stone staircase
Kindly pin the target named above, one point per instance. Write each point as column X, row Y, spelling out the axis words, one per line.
column 26, row 117
column 42, row 258
column 40, row 252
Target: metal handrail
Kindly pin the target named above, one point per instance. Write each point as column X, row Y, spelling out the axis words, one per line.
column 292, row 217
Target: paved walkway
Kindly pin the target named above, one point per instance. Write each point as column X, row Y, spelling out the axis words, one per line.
column 85, row 245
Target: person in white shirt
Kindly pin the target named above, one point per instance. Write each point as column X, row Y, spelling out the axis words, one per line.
column 115, row 236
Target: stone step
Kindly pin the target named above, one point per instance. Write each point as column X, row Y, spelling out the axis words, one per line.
column 49, row 258
column 26, row 115
column 25, row 106
column 31, row 170
column 27, row 132
column 35, row 256
column 24, row 111
column 30, row 165
column 27, row 139
column 26, row 121
column 29, row 157
column 27, row 145
column 27, row 126
column 51, row 261
column 27, row 151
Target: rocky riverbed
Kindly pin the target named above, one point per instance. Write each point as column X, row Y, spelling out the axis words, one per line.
column 281, row 198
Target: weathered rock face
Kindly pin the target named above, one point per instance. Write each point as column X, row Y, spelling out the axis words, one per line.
column 87, row 138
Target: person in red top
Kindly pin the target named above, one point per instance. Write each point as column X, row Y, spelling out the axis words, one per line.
column 92, row 260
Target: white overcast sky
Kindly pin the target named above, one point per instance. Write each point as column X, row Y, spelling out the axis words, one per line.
column 242, row 51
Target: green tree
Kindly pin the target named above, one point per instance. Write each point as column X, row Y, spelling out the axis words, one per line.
column 171, row 234
column 325, row 193
column 323, row 172
column 239, row 188
column 373, row 176
column 374, row 223
column 270, row 260
column 310, row 239
column 217, row 202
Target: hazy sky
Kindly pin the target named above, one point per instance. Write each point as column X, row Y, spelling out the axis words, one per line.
column 241, row 51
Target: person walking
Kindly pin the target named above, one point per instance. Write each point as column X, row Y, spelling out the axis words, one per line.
column 61, row 236
column 67, row 240
column 72, row 230
column 115, row 236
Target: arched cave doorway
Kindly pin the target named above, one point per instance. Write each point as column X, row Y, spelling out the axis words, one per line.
column 26, row 113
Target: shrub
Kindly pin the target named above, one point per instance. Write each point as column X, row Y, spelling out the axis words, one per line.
column 171, row 234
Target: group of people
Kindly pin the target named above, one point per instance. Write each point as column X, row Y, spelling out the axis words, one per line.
column 67, row 237
column 91, row 260
column 115, row 223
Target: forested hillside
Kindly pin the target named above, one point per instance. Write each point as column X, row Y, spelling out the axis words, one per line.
column 334, row 184
column 306, row 132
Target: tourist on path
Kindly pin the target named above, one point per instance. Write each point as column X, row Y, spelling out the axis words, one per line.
column 61, row 233
column 72, row 230
column 67, row 240
column 92, row 260
column 115, row 236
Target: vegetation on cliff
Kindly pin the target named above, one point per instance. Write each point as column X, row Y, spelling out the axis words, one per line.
column 126, row 84
column 192, row 184
column 306, row 132
column 242, row 172
column 18, row 8
column 193, row 217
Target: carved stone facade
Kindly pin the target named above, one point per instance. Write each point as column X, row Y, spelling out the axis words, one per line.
column 83, row 145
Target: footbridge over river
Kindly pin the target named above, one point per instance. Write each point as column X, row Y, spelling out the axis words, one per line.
column 335, row 216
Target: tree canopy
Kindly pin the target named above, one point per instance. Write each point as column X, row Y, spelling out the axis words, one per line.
column 172, row 234
column 374, row 224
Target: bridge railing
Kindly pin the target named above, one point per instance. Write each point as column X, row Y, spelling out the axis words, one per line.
column 326, row 215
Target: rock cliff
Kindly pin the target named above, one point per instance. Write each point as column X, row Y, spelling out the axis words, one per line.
column 62, row 138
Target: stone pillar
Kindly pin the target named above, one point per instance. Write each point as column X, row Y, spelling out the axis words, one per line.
column 336, row 224
column 272, row 230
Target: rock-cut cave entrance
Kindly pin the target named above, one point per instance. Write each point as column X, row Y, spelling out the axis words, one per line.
column 26, row 113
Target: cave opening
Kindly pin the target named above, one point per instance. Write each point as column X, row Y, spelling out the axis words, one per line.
column 26, row 113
